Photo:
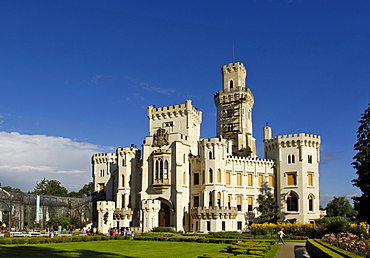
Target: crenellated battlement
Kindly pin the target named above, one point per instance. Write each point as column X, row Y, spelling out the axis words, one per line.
column 250, row 160
column 149, row 204
column 100, row 158
column 233, row 67
column 126, row 150
column 293, row 140
column 159, row 113
column 215, row 140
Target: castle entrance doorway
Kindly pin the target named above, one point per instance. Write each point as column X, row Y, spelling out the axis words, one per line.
column 164, row 215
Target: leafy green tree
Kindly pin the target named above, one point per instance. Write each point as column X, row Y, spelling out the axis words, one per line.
column 87, row 189
column 340, row 206
column 334, row 225
column 64, row 222
column 362, row 166
column 50, row 187
column 75, row 194
column 10, row 189
column 267, row 206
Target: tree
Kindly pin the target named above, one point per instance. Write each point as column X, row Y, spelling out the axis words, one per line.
column 87, row 189
column 10, row 189
column 267, row 206
column 362, row 166
column 340, row 206
column 50, row 187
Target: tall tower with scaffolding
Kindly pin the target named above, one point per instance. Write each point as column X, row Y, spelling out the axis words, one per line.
column 234, row 105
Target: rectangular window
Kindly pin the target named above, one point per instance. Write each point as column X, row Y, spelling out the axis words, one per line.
column 228, row 177
column 223, row 225
column 271, row 181
column 208, row 226
column 101, row 187
column 260, row 180
column 238, row 178
column 250, row 179
column 292, row 179
column 218, row 176
column 196, row 201
column 196, row 178
column 310, row 179
column 239, row 203
column 239, row 225
column 250, row 203
column 229, row 201
column 310, row 159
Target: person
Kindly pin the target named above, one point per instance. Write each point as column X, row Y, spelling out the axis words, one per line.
column 59, row 230
column 51, row 231
column 281, row 235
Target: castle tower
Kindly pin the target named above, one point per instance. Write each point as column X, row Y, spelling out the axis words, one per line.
column 297, row 158
column 234, row 105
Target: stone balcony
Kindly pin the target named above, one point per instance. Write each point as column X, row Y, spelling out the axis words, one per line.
column 161, row 185
column 121, row 214
column 213, row 212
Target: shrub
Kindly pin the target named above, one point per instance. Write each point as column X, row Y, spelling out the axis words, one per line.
column 334, row 224
column 162, row 229
column 5, row 241
column 64, row 222
column 349, row 242
column 36, row 240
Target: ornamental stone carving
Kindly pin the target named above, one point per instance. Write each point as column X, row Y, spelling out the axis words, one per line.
column 160, row 138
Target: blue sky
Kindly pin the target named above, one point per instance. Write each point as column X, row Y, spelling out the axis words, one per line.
column 76, row 77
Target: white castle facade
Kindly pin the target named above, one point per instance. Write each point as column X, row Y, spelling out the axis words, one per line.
column 198, row 184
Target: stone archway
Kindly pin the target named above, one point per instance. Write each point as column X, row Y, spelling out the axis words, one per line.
column 164, row 214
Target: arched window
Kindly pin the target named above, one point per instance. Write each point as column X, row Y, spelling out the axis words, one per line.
column 161, row 169
column 231, row 84
column 129, row 201
column 210, row 176
column 293, row 158
column 292, row 202
column 219, row 199
column 123, row 162
column 289, row 159
column 156, row 169
column 123, row 203
column 310, row 203
column 165, row 171
column 210, row 196
column 210, row 155
column 219, row 176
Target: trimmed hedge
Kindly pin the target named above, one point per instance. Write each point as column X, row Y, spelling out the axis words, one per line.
column 41, row 240
column 187, row 239
column 320, row 249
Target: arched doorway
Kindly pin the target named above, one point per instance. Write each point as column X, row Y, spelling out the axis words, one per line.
column 164, row 218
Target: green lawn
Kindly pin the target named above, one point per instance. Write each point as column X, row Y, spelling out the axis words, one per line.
column 112, row 248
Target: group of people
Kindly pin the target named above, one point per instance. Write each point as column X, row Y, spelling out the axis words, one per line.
column 124, row 231
column 52, row 229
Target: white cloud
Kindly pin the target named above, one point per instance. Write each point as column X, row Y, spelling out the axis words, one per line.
column 25, row 159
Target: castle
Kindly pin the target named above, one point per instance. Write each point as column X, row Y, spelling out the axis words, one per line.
column 198, row 184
